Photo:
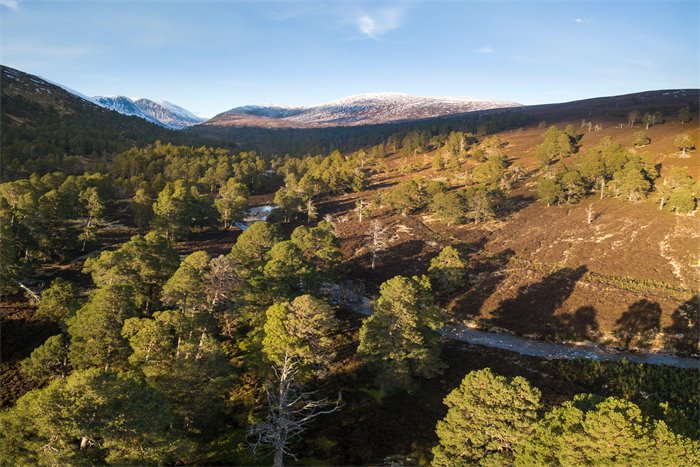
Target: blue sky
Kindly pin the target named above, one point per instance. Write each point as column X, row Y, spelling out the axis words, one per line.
column 210, row 56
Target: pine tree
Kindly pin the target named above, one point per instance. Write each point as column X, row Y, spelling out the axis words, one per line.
column 95, row 329
column 488, row 418
column 408, row 197
column 684, row 143
column 556, row 144
column 634, row 180
column 253, row 244
column 143, row 264
column 181, row 357
column 141, row 208
column 399, row 338
column 640, row 138
column 232, row 202
column 49, row 360
column 286, row 271
column 93, row 207
column 448, row 270
column 59, row 300
column 450, row 207
column 319, row 246
column 304, row 330
column 684, row 115
column 172, row 211
column 678, row 192
column 482, row 203
column 490, row 173
column 91, row 417
column 185, row 289
column 550, row 191
column 591, row 431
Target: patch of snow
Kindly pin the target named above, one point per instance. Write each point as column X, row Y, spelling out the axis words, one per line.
column 373, row 108
column 161, row 113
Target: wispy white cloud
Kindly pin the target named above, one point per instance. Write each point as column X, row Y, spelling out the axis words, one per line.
column 582, row 21
column 484, row 49
column 371, row 19
column 377, row 23
column 11, row 4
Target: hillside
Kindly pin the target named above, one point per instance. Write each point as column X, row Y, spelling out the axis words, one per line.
column 273, row 136
column 545, row 272
column 40, row 119
column 46, row 127
column 626, row 279
column 363, row 109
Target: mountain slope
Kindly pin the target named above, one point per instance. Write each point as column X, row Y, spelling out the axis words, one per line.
column 159, row 112
column 361, row 109
column 168, row 114
column 123, row 105
column 40, row 119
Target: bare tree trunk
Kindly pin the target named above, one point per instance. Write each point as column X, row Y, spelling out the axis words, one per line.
column 279, row 458
column 590, row 214
column 376, row 240
column 87, row 227
column 32, row 295
column 290, row 412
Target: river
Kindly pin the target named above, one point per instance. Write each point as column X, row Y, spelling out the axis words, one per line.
column 255, row 214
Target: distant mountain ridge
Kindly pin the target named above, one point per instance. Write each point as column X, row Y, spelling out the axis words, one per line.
column 362, row 109
column 161, row 113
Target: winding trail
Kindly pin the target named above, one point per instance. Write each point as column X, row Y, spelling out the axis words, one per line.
column 541, row 349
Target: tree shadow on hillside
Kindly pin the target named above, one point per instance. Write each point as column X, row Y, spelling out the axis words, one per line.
column 485, row 277
column 335, row 207
column 533, row 308
column 516, row 203
column 639, row 324
column 407, row 258
column 684, row 331
column 581, row 324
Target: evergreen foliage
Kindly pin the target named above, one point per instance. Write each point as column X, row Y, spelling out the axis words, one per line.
column 58, row 301
column 142, row 265
column 447, row 270
column 92, row 417
column 399, row 338
column 95, row 329
column 590, row 431
column 489, row 418
column 304, row 330
column 49, row 360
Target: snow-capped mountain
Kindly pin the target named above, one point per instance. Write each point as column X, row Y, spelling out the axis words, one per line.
column 356, row 110
column 123, row 105
column 168, row 114
column 161, row 113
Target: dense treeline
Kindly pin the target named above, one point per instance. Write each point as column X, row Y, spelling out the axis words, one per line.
column 299, row 142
